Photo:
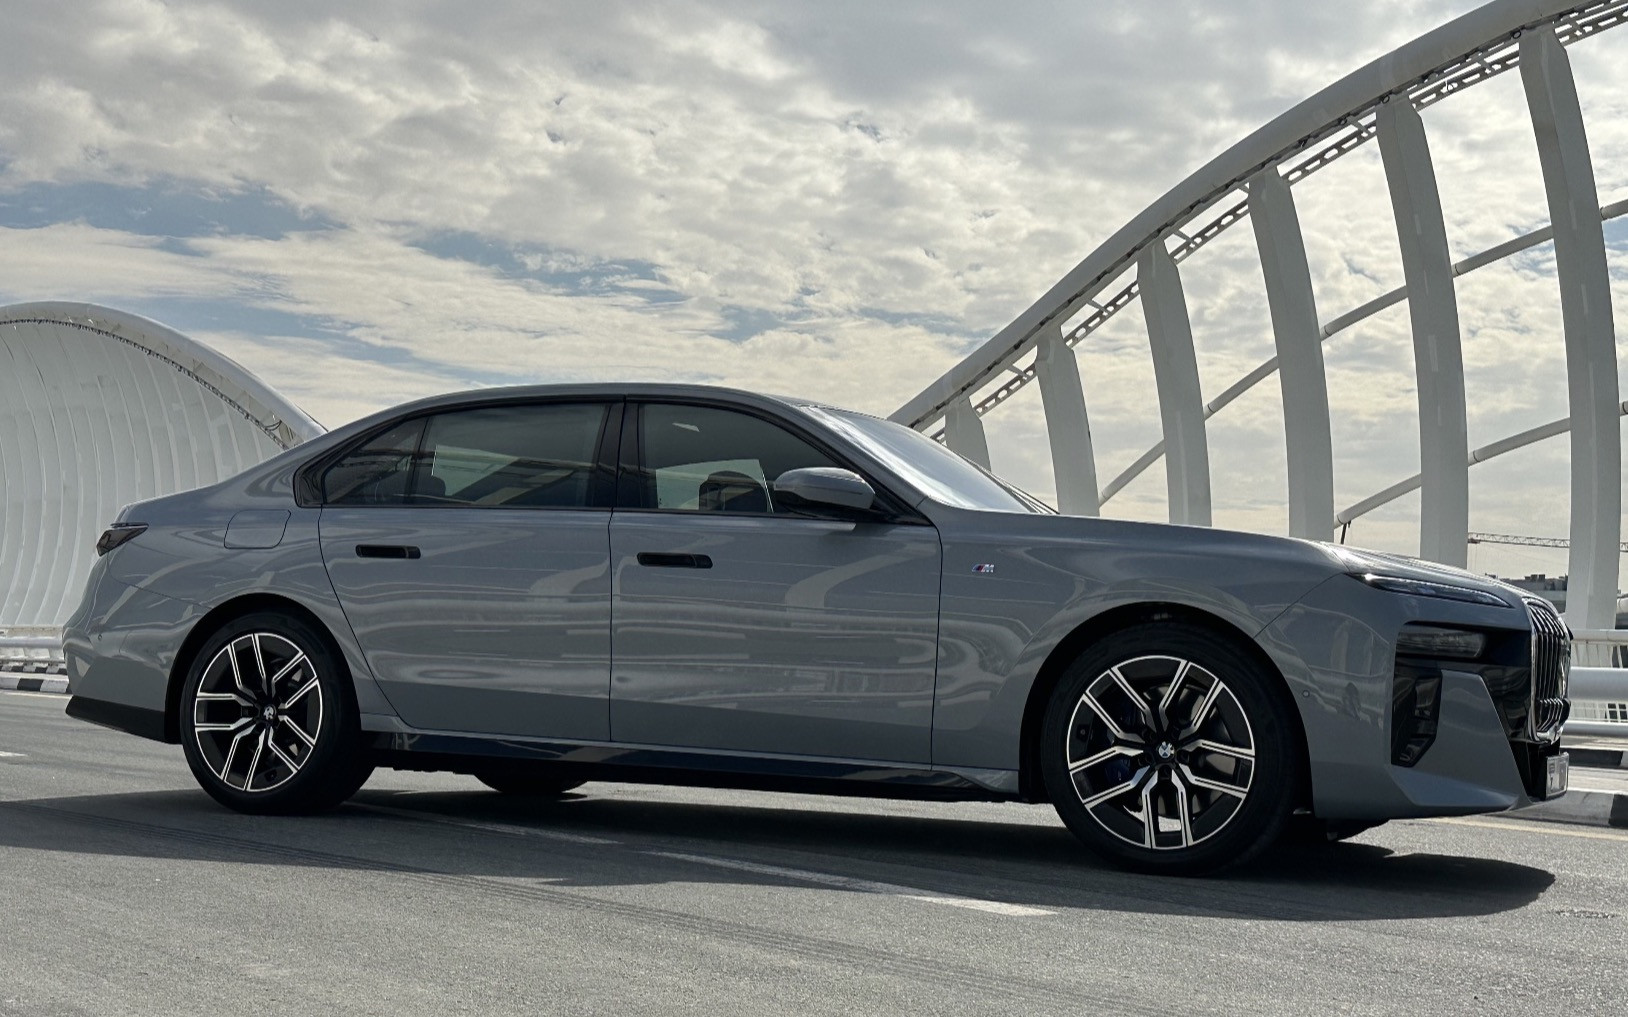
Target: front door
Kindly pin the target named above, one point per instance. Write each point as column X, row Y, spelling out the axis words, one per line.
column 470, row 552
column 740, row 626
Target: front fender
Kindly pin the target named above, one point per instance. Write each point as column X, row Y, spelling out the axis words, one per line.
column 998, row 628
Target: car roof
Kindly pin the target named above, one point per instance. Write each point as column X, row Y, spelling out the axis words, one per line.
column 602, row 390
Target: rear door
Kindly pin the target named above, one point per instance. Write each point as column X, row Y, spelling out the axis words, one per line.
column 740, row 626
column 470, row 551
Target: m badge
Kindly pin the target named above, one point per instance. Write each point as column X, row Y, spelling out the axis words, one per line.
column 983, row 570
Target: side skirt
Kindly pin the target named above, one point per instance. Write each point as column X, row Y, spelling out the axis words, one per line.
column 643, row 764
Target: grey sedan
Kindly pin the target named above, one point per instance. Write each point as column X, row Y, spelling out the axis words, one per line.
column 549, row 585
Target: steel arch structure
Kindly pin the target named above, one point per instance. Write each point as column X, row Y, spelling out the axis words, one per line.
column 100, row 408
column 1254, row 179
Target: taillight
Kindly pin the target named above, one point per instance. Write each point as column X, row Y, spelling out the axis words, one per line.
column 117, row 534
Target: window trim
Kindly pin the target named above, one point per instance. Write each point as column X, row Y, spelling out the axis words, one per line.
column 602, row 484
column 630, row 465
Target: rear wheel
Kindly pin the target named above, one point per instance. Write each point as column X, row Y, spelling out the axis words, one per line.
column 527, row 784
column 1169, row 749
column 267, row 723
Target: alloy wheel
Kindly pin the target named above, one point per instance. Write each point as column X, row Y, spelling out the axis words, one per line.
column 258, row 712
column 1160, row 752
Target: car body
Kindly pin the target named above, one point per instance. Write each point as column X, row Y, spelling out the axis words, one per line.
column 686, row 584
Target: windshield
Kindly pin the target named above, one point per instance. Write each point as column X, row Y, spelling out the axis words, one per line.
column 936, row 471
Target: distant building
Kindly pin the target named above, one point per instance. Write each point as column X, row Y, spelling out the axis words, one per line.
column 1550, row 588
column 1553, row 589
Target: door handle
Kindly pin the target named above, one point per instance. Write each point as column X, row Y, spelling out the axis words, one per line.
column 663, row 560
column 386, row 551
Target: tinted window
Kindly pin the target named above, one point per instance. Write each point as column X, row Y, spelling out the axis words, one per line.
column 538, row 456
column 377, row 473
column 525, row 456
column 701, row 459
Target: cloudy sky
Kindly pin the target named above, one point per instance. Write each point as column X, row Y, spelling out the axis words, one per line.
column 368, row 202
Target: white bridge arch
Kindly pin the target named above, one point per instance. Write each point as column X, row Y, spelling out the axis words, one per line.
column 1255, row 179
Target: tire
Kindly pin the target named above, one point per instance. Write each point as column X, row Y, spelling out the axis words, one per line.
column 1181, row 723
column 527, row 784
column 268, row 720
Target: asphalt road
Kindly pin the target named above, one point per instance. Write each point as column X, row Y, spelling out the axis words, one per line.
column 124, row 890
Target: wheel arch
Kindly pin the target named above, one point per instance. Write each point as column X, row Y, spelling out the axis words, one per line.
column 229, row 611
column 1032, row 788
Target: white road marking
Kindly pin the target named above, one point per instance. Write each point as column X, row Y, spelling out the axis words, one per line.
column 861, row 885
column 11, row 755
column 516, row 831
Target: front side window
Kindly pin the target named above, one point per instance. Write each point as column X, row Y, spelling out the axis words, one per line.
column 703, row 459
column 520, row 456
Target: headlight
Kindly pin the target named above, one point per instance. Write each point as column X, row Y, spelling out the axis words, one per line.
column 1427, row 588
column 1433, row 641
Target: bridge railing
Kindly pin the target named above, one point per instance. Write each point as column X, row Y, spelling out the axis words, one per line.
column 1599, row 683
column 31, row 650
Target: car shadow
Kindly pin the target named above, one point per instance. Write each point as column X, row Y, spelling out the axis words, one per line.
column 586, row 841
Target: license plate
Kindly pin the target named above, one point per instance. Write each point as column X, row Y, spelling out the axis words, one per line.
column 1554, row 784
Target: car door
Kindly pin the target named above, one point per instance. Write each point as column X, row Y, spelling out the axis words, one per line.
column 741, row 626
column 470, row 551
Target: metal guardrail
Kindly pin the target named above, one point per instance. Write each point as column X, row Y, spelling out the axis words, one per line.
column 1598, row 685
column 32, row 650
column 1600, row 648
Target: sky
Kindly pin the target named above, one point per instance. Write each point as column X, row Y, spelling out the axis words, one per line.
column 370, row 202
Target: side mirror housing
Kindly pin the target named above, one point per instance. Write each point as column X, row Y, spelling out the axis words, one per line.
column 824, row 487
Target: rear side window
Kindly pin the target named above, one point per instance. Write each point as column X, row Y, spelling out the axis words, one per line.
column 702, row 459
column 537, row 456
column 379, row 472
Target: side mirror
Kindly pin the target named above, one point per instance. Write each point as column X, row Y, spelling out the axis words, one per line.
column 824, row 486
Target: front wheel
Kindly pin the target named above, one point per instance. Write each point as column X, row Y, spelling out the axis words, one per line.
column 266, row 721
column 1169, row 749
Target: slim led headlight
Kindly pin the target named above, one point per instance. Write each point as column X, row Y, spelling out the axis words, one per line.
column 1427, row 588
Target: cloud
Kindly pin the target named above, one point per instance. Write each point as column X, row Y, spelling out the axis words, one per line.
column 369, row 202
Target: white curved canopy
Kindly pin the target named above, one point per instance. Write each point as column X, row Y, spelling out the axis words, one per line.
column 98, row 409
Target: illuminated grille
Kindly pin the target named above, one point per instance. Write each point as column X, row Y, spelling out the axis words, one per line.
column 1551, row 662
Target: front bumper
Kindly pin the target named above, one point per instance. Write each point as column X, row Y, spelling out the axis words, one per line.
column 1337, row 648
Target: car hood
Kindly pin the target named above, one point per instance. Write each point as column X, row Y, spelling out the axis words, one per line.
column 1310, row 558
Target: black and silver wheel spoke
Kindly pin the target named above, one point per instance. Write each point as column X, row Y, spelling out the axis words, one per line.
column 257, row 714
column 1160, row 752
